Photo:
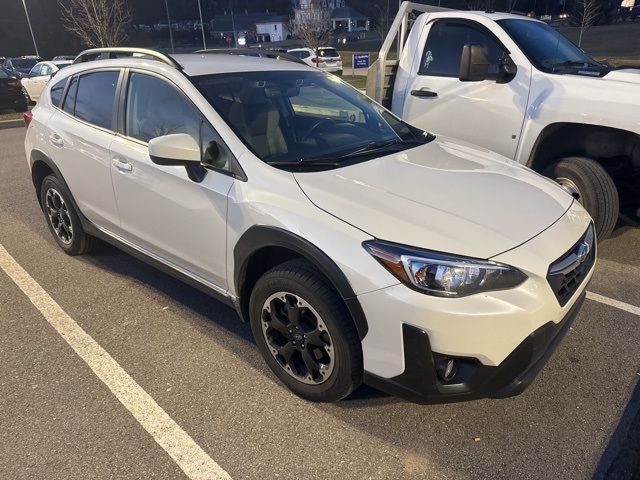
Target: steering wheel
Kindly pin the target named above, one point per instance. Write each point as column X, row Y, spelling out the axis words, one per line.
column 321, row 125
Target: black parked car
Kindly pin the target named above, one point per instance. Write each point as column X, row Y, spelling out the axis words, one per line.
column 20, row 66
column 12, row 95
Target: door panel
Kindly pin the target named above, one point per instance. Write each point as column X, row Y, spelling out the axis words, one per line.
column 161, row 208
column 165, row 212
column 82, row 154
column 486, row 113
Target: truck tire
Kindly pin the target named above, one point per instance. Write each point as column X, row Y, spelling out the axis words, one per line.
column 592, row 186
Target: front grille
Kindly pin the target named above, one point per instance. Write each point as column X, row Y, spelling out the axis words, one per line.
column 568, row 272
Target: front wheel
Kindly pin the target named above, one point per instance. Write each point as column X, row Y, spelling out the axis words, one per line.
column 591, row 185
column 305, row 333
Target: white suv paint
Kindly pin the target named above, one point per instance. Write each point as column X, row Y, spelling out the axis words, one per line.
column 326, row 59
column 360, row 249
column 516, row 86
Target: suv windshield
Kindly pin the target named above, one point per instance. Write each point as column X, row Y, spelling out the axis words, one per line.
column 546, row 48
column 299, row 118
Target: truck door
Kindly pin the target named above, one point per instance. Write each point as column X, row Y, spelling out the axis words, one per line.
column 487, row 113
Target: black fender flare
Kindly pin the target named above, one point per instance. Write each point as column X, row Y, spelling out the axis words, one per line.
column 259, row 237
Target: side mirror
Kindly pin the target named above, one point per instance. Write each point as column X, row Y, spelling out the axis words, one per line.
column 507, row 69
column 474, row 64
column 177, row 149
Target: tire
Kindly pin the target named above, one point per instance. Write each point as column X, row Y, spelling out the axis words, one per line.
column 340, row 356
column 595, row 190
column 62, row 219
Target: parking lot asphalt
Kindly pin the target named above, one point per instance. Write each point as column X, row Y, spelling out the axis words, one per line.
column 198, row 362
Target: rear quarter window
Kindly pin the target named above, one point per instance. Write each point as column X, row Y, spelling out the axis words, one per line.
column 56, row 92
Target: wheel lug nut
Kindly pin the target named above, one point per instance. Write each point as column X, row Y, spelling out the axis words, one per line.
column 294, row 342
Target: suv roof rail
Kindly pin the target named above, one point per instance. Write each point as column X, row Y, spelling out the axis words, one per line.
column 253, row 52
column 119, row 52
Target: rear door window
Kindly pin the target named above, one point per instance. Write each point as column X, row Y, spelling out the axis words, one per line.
column 95, row 98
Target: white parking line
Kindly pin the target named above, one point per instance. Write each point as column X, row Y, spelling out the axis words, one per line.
column 627, row 307
column 189, row 456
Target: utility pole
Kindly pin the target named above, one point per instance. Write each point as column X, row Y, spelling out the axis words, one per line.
column 233, row 25
column 204, row 41
column 166, row 4
column 26, row 12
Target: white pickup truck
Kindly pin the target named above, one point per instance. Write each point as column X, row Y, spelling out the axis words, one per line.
column 516, row 86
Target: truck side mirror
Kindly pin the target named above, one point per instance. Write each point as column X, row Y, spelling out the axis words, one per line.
column 474, row 64
column 507, row 69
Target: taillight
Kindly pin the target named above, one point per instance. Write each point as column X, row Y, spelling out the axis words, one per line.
column 14, row 82
column 314, row 59
column 27, row 116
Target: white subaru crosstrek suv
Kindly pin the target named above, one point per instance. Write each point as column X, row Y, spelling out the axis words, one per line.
column 359, row 248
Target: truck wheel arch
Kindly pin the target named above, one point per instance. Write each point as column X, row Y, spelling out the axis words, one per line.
column 566, row 139
column 262, row 247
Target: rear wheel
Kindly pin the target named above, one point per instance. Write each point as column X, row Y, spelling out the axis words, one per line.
column 62, row 219
column 305, row 332
column 591, row 185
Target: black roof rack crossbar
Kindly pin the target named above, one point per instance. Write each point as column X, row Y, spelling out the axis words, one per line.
column 119, row 52
column 254, row 52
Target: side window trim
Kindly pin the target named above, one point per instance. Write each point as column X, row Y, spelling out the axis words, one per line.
column 235, row 169
column 461, row 21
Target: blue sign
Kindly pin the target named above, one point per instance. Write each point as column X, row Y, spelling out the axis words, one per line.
column 360, row 60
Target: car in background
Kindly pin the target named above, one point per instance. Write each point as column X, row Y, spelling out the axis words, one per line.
column 38, row 77
column 12, row 95
column 327, row 58
column 20, row 66
column 63, row 57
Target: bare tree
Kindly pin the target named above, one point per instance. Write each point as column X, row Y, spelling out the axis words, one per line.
column 98, row 23
column 382, row 19
column 476, row 5
column 312, row 25
column 587, row 12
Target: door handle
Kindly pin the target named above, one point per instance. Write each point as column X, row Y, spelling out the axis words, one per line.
column 424, row 93
column 122, row 166
column 56, row 140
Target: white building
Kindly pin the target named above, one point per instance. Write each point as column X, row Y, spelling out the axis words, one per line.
column 273, row 29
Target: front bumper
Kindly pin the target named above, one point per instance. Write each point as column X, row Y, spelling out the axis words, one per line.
column 419, row 382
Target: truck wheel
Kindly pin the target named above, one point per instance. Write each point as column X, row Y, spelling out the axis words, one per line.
column 305, row 333
column 591, row 185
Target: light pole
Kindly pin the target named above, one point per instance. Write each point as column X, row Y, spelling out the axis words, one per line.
column 166, row 4
column 233, row 25
column 24, row 4
column 204, row 41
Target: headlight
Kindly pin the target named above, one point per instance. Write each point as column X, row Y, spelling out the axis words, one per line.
column 443, row 275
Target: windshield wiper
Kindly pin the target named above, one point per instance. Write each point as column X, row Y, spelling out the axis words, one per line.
column 576, row 63
column 363, row 150
column 302, row 164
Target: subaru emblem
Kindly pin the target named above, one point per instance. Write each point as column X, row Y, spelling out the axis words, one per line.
column 583, row 252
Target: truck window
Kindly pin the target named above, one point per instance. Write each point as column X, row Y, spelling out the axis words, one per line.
column 443, row 49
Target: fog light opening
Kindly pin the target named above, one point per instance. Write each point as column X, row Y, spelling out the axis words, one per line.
column 446, row 368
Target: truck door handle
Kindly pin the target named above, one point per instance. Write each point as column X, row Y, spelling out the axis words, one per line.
column 56, row 140
column 424, row 93
column 122, row 166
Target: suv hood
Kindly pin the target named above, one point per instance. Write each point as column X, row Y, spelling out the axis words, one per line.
column 445, row 196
